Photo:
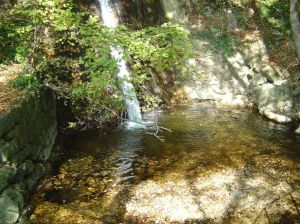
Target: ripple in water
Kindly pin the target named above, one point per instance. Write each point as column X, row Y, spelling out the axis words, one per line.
column 215, row 165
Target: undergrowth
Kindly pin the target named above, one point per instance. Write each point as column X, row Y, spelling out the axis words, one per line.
column 226, row 43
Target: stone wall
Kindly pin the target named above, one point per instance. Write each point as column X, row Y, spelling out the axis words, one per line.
column 27, row 136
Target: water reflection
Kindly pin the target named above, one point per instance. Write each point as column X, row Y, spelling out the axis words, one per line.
column 216, row 166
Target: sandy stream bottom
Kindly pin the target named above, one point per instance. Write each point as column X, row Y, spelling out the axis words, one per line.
column 235, row 177
column 264, row 192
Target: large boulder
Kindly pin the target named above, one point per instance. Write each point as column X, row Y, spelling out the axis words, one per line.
column 275, row 101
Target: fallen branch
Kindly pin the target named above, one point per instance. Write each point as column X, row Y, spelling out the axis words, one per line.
column 159, row 129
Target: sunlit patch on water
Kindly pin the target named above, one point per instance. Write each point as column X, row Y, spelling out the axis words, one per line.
column 215, row 166
column 181, row 199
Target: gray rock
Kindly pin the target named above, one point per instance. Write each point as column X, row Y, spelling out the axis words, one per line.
column 296, row 91
column 25, row 214
column 9, row 211
column 295, row 75
column 20, row 173
column 35, row 148
column 15, row 195
column 39, row 123
column 7, row 174
column 10, row 135
column 275, row 102
column 29, row 166
column 22, row 136
column 7, row 150
column 38, row 171
column 234, row 101
column 7, row 122
column 269, row 72
column 1, row 142
column 297, row 130
column 276, row 117
column 31, row 131
column 18, row 158
column 208, row 11
column 232, row 22
column 258, row 80
column 30, row 186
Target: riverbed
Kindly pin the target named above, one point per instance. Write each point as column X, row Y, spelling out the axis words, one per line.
column 194, row 163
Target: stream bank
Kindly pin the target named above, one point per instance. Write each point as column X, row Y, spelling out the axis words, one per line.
column 241, row 59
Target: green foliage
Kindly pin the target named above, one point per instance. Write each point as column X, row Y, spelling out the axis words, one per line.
column 226, row 43
column 218, row 3
column 9, row 38
column 69, row 51
column 26, row 81
column 153, row 49
column 277, row 14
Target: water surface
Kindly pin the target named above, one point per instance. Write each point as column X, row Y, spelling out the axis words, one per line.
column 202, row 165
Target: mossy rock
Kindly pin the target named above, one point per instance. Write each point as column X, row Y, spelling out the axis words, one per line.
column 7, row 174
column 38, row 171
column 15, row 195
column 7, row 150
column 9, row 211
column 7, row 121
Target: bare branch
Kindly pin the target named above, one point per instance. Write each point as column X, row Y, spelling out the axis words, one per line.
column 159, row 129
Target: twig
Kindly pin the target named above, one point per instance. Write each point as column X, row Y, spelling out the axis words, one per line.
column 159, row 129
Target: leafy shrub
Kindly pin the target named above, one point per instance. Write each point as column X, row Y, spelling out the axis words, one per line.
column 9, row 39
column 226, row 43
column 276, row 14
column 26, row 81
column 70, row 51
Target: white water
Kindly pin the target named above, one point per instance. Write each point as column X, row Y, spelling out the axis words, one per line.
column 133, row 109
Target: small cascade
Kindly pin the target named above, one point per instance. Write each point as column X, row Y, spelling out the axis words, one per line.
column 133, row 109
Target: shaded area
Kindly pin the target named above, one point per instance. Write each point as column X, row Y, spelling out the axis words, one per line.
column 142, row 13
column 238, row 168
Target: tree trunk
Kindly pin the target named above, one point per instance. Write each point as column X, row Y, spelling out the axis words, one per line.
column 294, row 19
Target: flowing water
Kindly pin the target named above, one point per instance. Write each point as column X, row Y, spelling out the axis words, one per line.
column 109, row 17
column 215, row 166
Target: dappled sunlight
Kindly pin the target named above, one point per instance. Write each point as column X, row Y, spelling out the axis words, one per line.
column 215, row 197
column 181, row 200
column 225, row 167
column 170, row 200
column 54, row 213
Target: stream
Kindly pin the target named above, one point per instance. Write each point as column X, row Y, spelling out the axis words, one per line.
column 205, row 165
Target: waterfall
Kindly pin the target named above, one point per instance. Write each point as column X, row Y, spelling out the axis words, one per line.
column 132, row 105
